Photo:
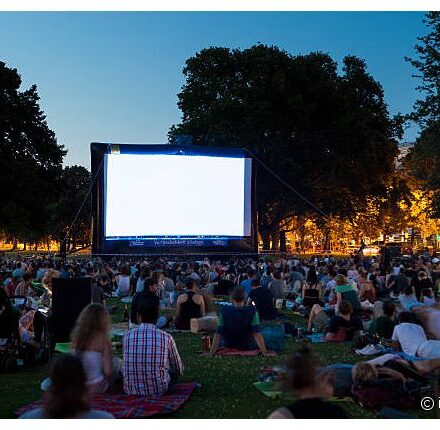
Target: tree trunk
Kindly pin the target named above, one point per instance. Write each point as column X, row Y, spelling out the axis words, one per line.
column 327, row 245
column 14, row 244
column 283, row 245
column 265, row 237
column 275, row 241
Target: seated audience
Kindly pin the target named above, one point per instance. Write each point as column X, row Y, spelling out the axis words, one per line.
column 383, row 326
column 421, row 282
column 122, row 280
column 9, row 318
column 427, row 297
column 238, row 326
column 246, row 283
column 150, row 291
column 189, row 305
column 318, row 319
column 277, row 286
column 90, row 341
column 150, row 361
column 344, row 325
column 345, row 290
column 24, row 288
column 262, row 298
column 67, row 395
column 408, row 299
column 145, row 273
column 398, row 283
column 367, row 291
column 309, row 387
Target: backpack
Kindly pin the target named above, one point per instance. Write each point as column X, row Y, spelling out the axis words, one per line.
column 382, row 393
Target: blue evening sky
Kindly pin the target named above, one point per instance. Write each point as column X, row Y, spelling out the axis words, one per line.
column 115, row 76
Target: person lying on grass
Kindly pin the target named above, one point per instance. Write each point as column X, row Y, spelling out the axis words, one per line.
column 309, row 387
column 238, row 326
column 412, row 339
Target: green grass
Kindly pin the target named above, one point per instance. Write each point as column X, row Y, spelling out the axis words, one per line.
column 226, row 382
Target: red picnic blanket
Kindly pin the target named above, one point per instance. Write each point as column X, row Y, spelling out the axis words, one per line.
column 128, row 406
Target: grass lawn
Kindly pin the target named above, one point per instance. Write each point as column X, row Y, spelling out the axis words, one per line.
column 226, row 382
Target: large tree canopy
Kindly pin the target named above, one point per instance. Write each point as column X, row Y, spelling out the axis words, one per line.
column 424, row 159
column 30, row 160
column 329, row 135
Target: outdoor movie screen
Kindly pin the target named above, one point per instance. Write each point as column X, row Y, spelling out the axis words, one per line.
column 150, row 195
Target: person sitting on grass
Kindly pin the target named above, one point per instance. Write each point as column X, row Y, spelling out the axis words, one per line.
column 9, row 318
column 238, row 326
column 262, row 299
column 366, row 289
column 277, row 286
column 24, row 288
column 151, row 363
column 343, row 326
column 309, row 386
column 318, row 319
column 150, row 291
column 408, row 299
column 90, row 341
column 345, row 290
column 68, row 394
column 189, row 305
column 427, row 297
column 384, row 325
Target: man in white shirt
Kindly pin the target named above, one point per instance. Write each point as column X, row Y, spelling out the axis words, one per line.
column 412, row 339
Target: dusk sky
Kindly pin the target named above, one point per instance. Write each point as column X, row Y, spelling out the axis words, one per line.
column 114, row 77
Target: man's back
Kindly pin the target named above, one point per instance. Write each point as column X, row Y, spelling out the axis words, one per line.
column 263, row 300
column 237, row 326
column 150, row 360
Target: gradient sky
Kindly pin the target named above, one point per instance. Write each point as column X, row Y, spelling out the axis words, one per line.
column 114, row 77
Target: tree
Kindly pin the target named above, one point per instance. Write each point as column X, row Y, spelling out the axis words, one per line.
column 424, row 159
column 328, row 135
column 74, row 182
column 427, row 111
column 30, row 161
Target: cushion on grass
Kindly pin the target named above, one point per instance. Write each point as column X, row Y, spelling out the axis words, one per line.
column 127, row 406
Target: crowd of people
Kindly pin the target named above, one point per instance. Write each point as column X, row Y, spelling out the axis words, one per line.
column 358, row 299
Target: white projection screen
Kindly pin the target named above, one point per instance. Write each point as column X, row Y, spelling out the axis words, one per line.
column 156, row 195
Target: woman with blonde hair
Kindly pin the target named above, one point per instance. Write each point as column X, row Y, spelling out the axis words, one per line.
column 90, row 341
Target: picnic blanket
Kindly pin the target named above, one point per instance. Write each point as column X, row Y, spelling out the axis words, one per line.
column 127, row 406
column 270, row 389
column 238, row 352
column 316, row 338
